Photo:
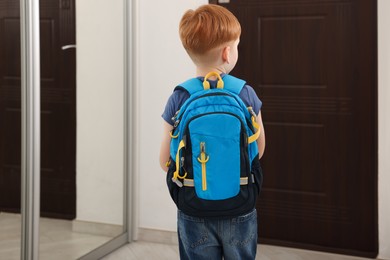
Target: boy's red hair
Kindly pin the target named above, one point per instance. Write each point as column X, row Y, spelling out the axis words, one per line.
column 208, row 27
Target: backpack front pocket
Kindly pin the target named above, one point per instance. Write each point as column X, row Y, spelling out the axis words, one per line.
column 215, row 142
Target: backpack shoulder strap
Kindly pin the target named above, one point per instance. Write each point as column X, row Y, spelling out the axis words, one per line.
column 191, row 86
column 233, row 84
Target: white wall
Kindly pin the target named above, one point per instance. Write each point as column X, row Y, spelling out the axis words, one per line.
column 384, row 127
column 163, row 63
column 99, row 26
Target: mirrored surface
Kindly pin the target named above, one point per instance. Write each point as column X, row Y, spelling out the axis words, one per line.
column 82, row 144
column 81, row 126
column 10, row 130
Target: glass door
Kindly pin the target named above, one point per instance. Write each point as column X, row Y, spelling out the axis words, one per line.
column 82, row 184
column 10, row 131
column 76, row 150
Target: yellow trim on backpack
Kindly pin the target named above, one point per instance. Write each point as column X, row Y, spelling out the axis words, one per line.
column 173, row 136
column 256, row 135
column 176, row 173
column 206, row 84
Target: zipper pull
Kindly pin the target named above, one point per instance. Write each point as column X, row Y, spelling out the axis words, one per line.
column 202, row 147
column 175, row 115
column 250, row 109
column 203, row 160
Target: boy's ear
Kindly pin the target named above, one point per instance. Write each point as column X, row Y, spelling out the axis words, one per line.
column 226, row 54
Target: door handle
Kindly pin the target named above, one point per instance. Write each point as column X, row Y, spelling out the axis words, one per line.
column 70, row 46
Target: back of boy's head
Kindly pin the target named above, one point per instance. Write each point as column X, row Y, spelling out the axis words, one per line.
column 208, row 27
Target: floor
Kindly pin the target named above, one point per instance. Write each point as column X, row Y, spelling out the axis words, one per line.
column 59, row 242
column 145, row 250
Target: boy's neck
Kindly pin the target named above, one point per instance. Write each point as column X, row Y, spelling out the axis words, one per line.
column 203, row 71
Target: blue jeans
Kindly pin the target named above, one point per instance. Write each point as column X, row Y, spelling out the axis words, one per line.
column 232, row 238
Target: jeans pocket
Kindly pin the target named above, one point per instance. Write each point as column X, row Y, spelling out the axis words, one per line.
column 244, row 229
column 192, row 230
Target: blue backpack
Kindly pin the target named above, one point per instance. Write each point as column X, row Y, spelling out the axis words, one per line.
column 214, row 169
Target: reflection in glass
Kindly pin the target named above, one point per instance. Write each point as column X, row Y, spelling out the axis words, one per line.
column 82, row 127
column 10, row 131
column 82, row 144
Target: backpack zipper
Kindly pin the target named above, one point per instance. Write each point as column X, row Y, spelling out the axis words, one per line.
column 210, row 113
column 203, row 159
column 177, row 117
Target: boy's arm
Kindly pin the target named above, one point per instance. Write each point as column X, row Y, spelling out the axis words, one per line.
column 261, row 139
column 164, row 149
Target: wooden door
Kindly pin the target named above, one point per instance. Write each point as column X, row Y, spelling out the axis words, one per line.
column 313, row 64
column 58, row 108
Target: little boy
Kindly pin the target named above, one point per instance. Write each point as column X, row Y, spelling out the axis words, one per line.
column 210, row 35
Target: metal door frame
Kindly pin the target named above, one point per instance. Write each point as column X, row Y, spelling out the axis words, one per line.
column 30, row 89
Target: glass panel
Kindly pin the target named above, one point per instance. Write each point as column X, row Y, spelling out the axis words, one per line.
column 82, row 175
column 10, row 130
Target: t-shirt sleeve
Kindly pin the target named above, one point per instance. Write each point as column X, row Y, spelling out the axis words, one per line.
column 250, row 98
column 175, row 101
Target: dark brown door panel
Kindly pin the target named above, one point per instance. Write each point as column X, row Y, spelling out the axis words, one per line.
column 313, row 64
